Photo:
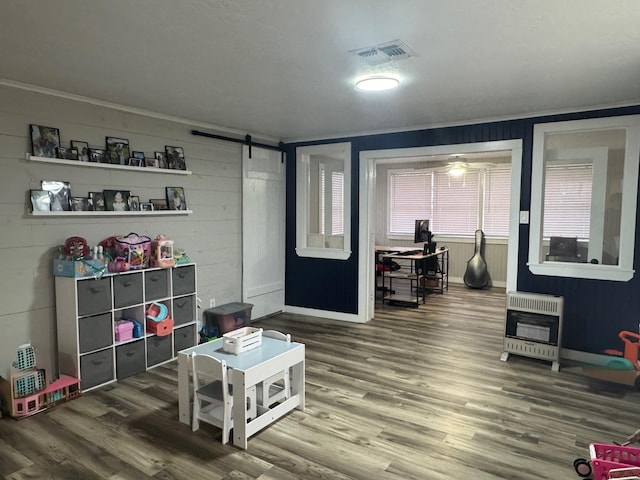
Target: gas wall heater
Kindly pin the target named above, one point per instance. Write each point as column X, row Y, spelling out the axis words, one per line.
column 533, row 327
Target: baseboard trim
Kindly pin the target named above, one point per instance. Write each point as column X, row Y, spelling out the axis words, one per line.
column 312, row 312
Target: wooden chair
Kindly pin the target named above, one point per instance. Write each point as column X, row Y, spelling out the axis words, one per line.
column 212, row 396
column 278, row 386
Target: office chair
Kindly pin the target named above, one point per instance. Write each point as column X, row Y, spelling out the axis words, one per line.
column 278, row 386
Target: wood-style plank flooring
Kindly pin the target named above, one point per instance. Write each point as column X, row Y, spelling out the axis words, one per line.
column 417, row 393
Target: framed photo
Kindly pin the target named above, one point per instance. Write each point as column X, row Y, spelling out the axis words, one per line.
column 146, row 207
column 98, row 155
column 60, row 193
column 138, row 155
column 175, row 198
column 96, row 201
column 67, row 153
column 175, row 157
column 118, row 150
column 151, row 162
column 134, row 162
column 80, row 204
column 83, row 150
column 44, row 141
column 134, row 203
column 161, row 157
column 40, row 201
column 158, row 203
column 117, row 200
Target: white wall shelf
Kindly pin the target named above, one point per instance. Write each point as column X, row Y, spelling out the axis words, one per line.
column 90, row 213
column 77, row 163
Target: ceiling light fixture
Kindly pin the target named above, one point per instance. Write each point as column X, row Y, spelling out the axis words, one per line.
column 377, row 83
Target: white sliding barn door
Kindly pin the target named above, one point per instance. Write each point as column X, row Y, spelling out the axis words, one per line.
column 263, row 230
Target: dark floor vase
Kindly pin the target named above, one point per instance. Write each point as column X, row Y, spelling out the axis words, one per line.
column 476, row 275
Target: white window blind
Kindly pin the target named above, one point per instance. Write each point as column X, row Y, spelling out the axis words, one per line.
column 409, row 200
column 567, row 201
column 497, row 194
column 337, row 203
column 455, row 203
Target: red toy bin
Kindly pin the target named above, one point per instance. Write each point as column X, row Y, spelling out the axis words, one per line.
column 605, row 458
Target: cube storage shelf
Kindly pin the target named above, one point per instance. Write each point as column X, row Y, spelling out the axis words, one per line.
column 87, row 311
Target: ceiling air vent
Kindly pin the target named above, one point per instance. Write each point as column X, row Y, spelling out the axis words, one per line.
column 385, row 52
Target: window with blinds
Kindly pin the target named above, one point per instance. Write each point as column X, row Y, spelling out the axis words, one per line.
column 409, row 199
column 497, row 194
column 567, row 201
column 336, row 202
column 452, row 204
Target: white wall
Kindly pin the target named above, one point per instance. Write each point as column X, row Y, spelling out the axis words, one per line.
column 211, row 235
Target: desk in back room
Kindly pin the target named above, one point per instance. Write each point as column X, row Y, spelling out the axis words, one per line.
column 422, row 275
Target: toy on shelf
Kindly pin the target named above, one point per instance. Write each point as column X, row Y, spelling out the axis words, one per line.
column 119, row 264
column 135, row 249
column 162, row 252
column 180, row 256
column 158, row 319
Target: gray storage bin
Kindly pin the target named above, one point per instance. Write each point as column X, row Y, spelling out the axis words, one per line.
column 184, row 280
column 156, row 284
column 184, row 337
column 96, row 368
column 183, row 310
column 158, row 349
column 127, row 289
column 94, row 296
column 130, row 359
column 95, row 332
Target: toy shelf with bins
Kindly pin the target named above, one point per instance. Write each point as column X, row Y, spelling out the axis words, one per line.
column 87, row 309
column 77, row 163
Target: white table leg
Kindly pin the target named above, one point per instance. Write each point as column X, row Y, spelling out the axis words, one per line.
column 184, row 405
column 297, row 383
column 239, row 409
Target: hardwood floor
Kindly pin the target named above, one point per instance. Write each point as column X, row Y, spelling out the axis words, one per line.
column 417, row 393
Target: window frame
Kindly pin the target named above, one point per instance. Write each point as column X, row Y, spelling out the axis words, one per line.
column 303, row 200
column 623, row 271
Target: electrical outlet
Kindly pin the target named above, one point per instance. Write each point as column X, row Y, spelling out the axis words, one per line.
column 212, row 302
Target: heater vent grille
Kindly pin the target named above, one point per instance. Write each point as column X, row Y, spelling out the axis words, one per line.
column 534, row 303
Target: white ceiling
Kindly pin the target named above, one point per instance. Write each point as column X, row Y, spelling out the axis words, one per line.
column 280, row 69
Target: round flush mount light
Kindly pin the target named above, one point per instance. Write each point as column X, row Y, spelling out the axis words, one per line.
column 377, row 83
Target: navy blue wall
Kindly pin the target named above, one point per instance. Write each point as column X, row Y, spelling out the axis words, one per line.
column 595, row 311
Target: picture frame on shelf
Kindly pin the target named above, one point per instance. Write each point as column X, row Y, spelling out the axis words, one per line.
column 60, row 193
column 96, row 200
column 176, row 199
column 159, row 203
column 67, row 153
column 151, row 162
column 161, row 157
column 83, row 150
column 118, row 150
column 134, row 203
column 146, row 207
column 44, row 141
column 80, row 204
column 175, row 157
column 40, row 201
column 137, row 154
column 116, row 200
column 98, row 155
column 134, row 162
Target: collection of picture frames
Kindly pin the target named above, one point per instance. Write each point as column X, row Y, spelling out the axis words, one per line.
column 45, row 142
column 55, row 195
